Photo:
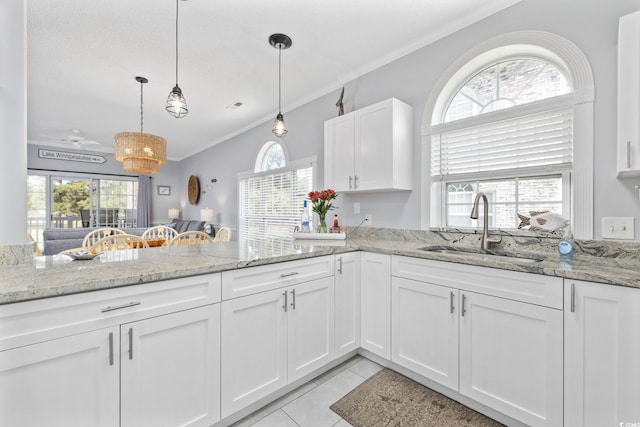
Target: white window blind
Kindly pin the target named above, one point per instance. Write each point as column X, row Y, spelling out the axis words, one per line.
column 522, row 144
column 271, row 202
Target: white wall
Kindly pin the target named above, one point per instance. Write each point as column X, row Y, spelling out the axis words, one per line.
column 13, row 134
column 590, row 24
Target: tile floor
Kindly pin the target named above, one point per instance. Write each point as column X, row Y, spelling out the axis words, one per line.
column 308, row 405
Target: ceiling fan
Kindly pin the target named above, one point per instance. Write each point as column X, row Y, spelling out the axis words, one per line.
column 76, row 140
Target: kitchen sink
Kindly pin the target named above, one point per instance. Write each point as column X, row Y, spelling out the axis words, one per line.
column 482, row 255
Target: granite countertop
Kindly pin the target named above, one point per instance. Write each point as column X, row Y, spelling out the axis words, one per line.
column 59, row 275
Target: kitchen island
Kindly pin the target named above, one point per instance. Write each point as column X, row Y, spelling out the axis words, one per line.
column 58, row 275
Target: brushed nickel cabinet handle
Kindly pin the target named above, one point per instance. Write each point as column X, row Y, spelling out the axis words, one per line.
column 110, row 348
column 340, row 263
column 285, row 301
column 451, row 302
column 350, row 182
column 463, row 310
column 573, row 297
column 293, row 273
column 293, row 299
column 130, row 343
column 119, row 307
column 355, row 182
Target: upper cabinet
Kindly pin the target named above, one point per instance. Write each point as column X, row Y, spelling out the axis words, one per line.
column 370, row 149
column 629, row 96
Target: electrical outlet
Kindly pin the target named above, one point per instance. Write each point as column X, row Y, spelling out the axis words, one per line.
column 618, row 228
column 367, row 219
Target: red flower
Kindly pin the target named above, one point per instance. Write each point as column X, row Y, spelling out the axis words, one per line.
column 320, row 201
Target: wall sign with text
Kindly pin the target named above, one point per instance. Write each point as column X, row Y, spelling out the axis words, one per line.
column 73, row 157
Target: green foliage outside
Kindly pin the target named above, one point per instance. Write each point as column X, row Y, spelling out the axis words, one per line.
column 69, row 197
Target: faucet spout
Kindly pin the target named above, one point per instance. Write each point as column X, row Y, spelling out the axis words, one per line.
column 484, row 243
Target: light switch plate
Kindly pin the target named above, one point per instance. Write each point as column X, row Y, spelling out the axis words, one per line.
column 618, row 228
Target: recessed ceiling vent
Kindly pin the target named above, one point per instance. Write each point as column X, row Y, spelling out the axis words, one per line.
column 235, row 105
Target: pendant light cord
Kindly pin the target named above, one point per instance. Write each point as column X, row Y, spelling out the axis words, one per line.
column 279, row 79
column 177, row 42
column 141, row 110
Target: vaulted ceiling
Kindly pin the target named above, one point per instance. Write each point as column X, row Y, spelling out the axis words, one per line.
column 83, row 56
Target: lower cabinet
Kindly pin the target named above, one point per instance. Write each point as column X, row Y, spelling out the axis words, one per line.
column 170, row 369
column 602, row 355
column 66, row 381
column 347, row 303
column 272, row 338
column 375, row 289
column 425, row 329
column 504, row 354
column 511, row 357
column 161, row 371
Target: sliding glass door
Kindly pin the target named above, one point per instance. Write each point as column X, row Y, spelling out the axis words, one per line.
column 79, row 201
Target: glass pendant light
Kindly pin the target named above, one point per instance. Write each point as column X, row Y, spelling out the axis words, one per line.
column 176, row 104
column 280, row 41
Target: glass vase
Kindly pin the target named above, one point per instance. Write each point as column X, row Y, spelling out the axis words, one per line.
column 322, row 225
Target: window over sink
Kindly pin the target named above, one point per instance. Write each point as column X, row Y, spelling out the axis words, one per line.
column 511, row 119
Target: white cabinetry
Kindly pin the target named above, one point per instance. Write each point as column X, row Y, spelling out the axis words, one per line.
column 278, row 334
column 67, row 381
column 67, row 360
column 375, row 289
column 370, row 149
column 425, row 329
column 451, row 319
column 347, row 303
column 629, row 96
column 164, row 366
column 511, row 357
column 602, row 354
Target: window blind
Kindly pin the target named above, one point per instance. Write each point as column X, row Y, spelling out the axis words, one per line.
column 271, row 202
column 540, row 141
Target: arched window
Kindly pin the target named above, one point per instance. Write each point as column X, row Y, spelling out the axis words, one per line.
column 271, row 156
column 503, row 121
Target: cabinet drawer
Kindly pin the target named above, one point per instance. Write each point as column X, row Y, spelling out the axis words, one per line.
column 35, row 321
column 526, row 287
column 247, row 281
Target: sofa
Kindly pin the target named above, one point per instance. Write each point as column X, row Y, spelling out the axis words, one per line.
column 61, row 239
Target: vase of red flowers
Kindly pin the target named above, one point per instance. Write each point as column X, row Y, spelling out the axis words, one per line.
column 321, row 204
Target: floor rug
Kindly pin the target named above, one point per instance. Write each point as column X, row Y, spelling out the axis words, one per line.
column 389, row 399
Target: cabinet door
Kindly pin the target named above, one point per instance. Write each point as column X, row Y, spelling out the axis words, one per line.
column 374, row 147
column 339, row 153
column 629, row 96
column 375, row 289
column 63, row 382
column 602, row 354
column 310, row 327
column 347, row 303
column 254, row 348
column 424, row 319
column 170, row 369
column 511, row 357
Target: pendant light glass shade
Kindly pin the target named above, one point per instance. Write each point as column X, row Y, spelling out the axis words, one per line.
column 280, row 41
column 176, row 103
column 279, row 128
column 140, row 152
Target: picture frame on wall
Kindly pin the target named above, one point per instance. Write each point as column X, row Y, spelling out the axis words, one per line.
column 164, row 190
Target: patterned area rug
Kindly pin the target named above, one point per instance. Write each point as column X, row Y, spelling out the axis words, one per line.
column 390, row 399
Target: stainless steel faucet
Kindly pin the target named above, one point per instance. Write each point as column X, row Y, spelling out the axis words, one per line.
column 484, row 243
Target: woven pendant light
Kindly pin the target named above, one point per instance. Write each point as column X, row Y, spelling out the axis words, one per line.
column 140, row 152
